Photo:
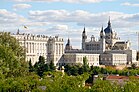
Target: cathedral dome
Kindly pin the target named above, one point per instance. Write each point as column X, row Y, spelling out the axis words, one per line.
column 108, row 30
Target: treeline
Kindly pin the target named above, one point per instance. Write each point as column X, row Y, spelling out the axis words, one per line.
column 41, row 66
column 78, row 70
column 56, row 82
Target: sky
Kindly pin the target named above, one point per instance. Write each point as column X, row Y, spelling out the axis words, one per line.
column 67, row 18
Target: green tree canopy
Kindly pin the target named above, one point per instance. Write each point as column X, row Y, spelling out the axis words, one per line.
column 40, row 66
column 52, row 67
column 12, row 56
column 31, row 68
column 85, row 65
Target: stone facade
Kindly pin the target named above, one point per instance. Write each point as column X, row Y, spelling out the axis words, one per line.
column 51, row 48
column 112, row 50
column 77, row 58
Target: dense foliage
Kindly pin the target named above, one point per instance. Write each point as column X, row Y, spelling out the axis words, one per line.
column 41, row 66
column 12, row 57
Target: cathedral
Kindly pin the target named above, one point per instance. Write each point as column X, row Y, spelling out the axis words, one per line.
column 111, row 50
column 108, row 40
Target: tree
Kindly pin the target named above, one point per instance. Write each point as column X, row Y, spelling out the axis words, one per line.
column 85, row 65
column 67, row 69
column 31, row 68
column 133, row 66
column 56, row 83
column 12, row 56
column 51, row 65
column 40, row 66
column 47, row 68
column 74, row 70
column 41, row 60
column 105, row 86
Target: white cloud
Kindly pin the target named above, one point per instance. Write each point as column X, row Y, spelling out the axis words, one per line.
column 130, row 4
column 7, row 17
column 21, row 6
column 81, row 17
column 60, row 27
column 67, row 1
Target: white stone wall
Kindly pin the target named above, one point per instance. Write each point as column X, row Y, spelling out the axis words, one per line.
column 113, row 59
column 40, row 45
column 77, row 58
column 131, row 54
column 119, row 59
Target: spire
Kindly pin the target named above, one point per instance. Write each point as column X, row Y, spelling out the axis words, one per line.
column 102, row 29
column 108, row 29
column 109, row 22
column 102, row 33
column 84, row 29
column 17, row 32
column 68, row 43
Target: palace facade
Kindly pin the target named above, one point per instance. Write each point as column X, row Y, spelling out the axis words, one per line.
column 52, row 48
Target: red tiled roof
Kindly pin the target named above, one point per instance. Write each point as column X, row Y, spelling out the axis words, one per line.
column 116, row 77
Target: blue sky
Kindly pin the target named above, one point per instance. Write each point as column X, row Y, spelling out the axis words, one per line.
column 66, row 18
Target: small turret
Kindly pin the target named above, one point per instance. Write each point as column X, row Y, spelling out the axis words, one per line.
column 92, row 38
column 84, row 38
column 17, row 32
column 84, row 30
column 102, row 34
column 68, row 45
column 102, row 40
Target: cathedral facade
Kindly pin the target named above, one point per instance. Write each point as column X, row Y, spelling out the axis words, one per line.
column 111, row 50
column 108, row 40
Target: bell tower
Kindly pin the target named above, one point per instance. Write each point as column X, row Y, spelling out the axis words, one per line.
column 84, row 38
column 102, row 40
column 101, row 33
